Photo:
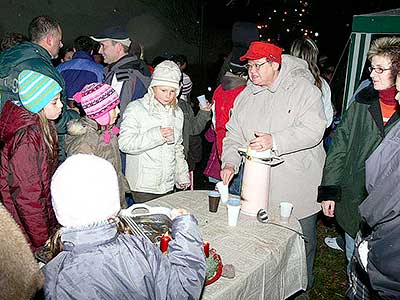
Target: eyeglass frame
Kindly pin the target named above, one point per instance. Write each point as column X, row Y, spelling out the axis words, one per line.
column 381, row 70
column 257, row 66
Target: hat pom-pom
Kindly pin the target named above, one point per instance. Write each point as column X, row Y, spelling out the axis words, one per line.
column 77, row 97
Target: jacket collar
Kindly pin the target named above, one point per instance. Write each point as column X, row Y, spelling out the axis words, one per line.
column 369, row 96
column 84, row 238
column 82, row 54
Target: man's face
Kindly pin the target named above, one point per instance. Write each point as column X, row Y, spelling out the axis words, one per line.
column 110, row 51
column 262, row 72
column 55, row 43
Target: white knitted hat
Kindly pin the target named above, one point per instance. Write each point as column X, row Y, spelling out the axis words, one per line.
column 93, row 196
column 166, row 73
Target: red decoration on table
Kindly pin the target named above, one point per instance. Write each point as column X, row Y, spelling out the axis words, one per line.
column 164, row 242
column 206, row 246
column 219, row 268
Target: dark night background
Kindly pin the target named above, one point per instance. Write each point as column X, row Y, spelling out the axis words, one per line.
column 200, row 29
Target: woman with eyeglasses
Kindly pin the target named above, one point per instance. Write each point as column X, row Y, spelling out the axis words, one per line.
column 363, row 127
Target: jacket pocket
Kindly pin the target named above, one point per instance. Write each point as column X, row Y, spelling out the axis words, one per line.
column 150, row 177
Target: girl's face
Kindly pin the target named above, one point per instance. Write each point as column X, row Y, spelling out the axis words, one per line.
column 384, row 80
column 53, row 109
column 113, row 115
column 164, row 94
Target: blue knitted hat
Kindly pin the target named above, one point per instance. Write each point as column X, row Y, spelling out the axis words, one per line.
column 36, row 90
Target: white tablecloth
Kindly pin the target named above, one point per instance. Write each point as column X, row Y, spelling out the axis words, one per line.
column 269, row 261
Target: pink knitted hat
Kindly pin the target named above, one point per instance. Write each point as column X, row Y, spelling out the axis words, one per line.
column 97, row 99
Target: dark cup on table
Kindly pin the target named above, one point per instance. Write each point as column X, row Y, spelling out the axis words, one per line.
column 213, row 201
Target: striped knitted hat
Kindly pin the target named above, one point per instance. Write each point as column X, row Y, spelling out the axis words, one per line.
column 97, row 99
column 36, row 90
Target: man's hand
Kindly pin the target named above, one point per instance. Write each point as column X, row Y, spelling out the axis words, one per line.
column 262, row 141
column 328, row 208
column 227, row 173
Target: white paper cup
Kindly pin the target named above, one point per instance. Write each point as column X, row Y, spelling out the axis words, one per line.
column 223, row 190
column 286, row 211
column 202, row 100
column 233, row 205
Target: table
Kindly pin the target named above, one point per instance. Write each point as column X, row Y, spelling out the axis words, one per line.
column 269, row 261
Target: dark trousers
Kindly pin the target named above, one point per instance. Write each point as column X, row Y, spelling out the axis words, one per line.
column 309, row 227
column 144, row 197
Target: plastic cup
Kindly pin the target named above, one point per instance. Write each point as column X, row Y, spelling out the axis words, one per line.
column 223, row 190
column 213, row 201
column 202, row 100
column 167, row 122
column 233, row 211
column 286, row 211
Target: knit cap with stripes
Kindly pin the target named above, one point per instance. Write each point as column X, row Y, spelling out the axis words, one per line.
column 97, row 99
column 36, row 90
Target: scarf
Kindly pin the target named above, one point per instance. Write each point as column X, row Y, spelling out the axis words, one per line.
column 387, row 96
column 107, row 135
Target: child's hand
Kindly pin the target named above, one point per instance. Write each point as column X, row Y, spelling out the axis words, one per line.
column 178, row 212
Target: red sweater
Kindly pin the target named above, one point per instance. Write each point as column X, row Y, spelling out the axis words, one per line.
column 223, row 100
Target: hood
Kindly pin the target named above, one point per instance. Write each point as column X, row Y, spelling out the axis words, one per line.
column 80, row 126
column 292, row 69
column 231, row 81
column 14, row 118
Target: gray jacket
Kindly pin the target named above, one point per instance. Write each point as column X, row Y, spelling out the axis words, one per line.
column 99, row 263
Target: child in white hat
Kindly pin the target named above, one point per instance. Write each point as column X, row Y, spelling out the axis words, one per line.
column 97, row 262
column 29, row 155
column 151, row 137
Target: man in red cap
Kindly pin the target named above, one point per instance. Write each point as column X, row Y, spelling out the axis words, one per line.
column 281, row 110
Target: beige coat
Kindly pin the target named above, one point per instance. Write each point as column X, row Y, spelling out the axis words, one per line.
column 292, row 112
column 20, row 276
column 152, row 165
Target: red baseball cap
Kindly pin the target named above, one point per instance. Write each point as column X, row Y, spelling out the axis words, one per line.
column 259, row 50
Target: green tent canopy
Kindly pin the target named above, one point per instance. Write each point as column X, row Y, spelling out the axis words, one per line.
column 363, row 28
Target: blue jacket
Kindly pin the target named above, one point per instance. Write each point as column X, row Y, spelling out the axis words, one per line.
column 99, row 263
column 79, row 71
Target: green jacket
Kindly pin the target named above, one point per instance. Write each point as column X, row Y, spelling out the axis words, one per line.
column 357, row 136
column 30, row 56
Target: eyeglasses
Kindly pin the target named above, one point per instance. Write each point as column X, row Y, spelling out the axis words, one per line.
column 378, row 70
column 257, row 66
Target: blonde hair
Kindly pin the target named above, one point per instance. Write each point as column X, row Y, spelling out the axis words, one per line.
column 305, row 48
column 48, row 131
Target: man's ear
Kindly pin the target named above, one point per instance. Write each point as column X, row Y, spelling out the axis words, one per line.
column 275, row 66
column 49, row 39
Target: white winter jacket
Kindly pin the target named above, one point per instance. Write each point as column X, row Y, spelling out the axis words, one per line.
column 152, row 165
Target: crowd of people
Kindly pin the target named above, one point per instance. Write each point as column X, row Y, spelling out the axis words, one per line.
column 104, row 129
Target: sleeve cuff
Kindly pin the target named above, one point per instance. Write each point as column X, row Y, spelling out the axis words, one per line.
column 329, row 192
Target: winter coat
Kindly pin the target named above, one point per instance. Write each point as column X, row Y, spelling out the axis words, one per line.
column 130, row 71
column 79, row 71
column 30, row 56
column 380, row 213
column 20, row 275
column 193, row 125
column 360, row 131
column 99, row 263
column 152, row 165
column 223, row 98
column 25, row 174
column 292, row 112
column 85, row 136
